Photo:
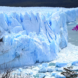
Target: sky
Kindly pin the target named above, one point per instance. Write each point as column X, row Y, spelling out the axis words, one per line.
column 50, row 3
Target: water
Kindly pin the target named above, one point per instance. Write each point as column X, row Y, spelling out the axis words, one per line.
column 72, row 34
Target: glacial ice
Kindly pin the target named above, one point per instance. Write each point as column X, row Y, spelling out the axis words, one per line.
column 27, row 38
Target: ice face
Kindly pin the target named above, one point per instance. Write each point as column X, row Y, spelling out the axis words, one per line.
column 30, row 37
column 71, row 15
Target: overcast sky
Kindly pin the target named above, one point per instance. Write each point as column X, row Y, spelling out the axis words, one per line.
column 52, row 3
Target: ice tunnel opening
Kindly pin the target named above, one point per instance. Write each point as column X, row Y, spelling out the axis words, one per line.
column 1, row 40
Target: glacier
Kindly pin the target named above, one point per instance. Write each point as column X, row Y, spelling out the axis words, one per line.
column 33, row 35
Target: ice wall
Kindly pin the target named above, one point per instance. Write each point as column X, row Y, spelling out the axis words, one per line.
column 71, row 15
column 29, row 38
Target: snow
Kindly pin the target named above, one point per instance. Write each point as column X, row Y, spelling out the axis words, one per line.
column 33, row 35
column 49, row 69
column 70, row 54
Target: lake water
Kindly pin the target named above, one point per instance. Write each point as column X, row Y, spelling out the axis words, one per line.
column 72, row 34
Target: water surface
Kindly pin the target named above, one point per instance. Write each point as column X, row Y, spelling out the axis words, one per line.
column 72, row 34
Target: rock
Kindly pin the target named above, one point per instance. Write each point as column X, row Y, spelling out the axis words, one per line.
column 68, row 73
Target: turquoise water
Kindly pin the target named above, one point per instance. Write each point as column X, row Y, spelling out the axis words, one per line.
column 72, row 35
